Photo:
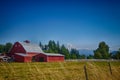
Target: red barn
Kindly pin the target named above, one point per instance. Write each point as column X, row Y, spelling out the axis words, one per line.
column 27, row 52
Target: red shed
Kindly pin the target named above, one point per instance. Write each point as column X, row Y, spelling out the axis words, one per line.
column 48, row 57
column 27, row 52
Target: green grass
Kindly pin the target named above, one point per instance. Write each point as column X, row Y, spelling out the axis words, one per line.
column 59, row 71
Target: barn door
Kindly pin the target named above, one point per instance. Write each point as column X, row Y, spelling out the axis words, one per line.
column 41, row 59
column 33, row 59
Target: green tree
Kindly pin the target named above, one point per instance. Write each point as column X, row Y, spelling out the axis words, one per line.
column 2, row 48
column 90, row 57
column 116, row 55
column 45, row 49
column 40, row 44
column 102, row 51
column 82, row 56
column 5, row 48
column 58, row 47
column 74, row 54
column 8, row 46
column 52, row 47
column 65, row 52
column 97, row 55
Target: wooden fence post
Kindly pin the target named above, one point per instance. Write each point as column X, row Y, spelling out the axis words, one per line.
column 110, row 68
column 85, row 69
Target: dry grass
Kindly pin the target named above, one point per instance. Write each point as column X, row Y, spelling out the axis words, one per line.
column 59, row 71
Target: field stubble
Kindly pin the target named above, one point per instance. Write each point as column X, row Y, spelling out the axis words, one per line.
column 59, row 71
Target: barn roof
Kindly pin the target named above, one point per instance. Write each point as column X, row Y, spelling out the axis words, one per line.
column 22, row 54
column 52, row 54
column 47, row 54
column 29, row 47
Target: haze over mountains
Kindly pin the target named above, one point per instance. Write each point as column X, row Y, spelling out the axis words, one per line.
column 81, row 51
column 86, row 52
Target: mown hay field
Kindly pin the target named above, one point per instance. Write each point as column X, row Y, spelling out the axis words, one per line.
column 60, row 71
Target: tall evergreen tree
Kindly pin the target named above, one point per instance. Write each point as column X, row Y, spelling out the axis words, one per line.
column 65, row 52
column 58, row 47
column 53, row 47
column 46, row 48
column 40, row 44
column 74, row 54
column 50, row 45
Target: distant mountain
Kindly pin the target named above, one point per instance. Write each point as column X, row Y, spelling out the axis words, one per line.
column 113, row 52
column 86, row 52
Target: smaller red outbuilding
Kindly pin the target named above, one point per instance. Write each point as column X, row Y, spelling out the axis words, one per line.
column 27, row 52
column 48, row 57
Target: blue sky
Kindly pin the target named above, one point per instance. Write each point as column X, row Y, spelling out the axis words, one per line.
column 81, row 23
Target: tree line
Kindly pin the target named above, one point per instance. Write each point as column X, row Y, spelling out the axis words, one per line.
column 102, row 52
column 4, row 49
column 55, row 47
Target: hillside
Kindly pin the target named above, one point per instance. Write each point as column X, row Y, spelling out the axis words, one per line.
column 59, row 71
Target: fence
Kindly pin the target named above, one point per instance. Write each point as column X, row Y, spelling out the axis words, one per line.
column 108, row 60
column 86, row 73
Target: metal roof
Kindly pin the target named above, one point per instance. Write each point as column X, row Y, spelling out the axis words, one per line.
column 22, row 54
column 31, row 47
column 47, row 54
column 52, row 54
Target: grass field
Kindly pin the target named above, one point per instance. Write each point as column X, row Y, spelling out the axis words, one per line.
column 59, row 71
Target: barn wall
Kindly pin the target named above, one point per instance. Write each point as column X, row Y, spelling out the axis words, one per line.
column 55, row 58
column 17, row 48
column 37, row 57
column 32, row 53
column 27, row 59
column 18, row 58
column 22, row 58
column 49, row 58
